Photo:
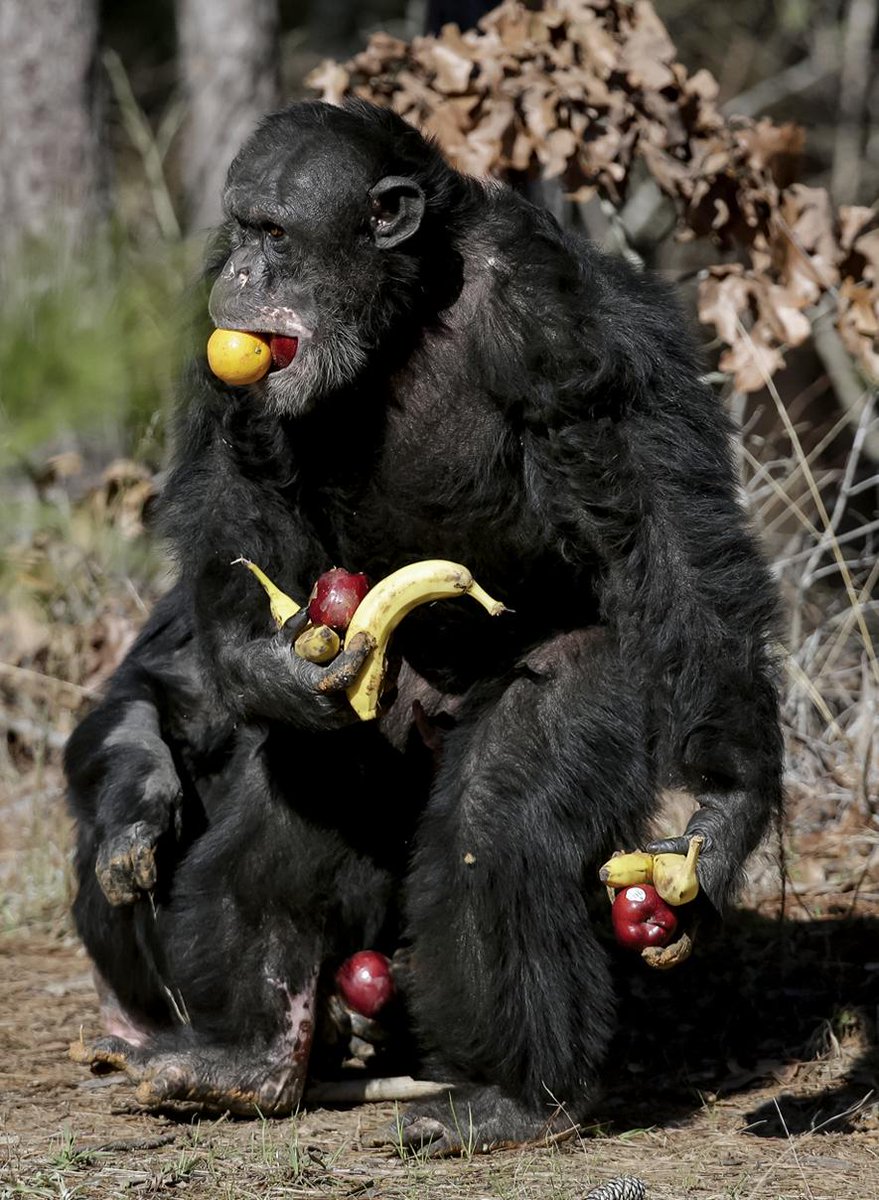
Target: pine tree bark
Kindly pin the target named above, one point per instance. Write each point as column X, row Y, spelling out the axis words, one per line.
column 229, row 65
column 52, row 161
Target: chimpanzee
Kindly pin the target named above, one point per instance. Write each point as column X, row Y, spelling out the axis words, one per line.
column 469, row 383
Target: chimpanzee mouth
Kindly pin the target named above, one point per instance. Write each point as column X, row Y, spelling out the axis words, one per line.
column 284, row 350
column 285, row 331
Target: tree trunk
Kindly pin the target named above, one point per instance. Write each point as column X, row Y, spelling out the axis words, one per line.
column 52, row 177
column 855, row 79
column 229, row 63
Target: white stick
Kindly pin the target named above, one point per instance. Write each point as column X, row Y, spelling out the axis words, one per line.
column 371, row 1091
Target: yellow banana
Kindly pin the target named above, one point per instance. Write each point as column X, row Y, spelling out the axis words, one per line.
column 383, row 608
column 283, row 606
column 623, row 870
column 674, row 875
column 318, row 643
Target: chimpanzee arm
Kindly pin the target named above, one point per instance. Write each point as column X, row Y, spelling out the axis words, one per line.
column 232, row 495
column 124, row 788
column 682, row 584
column 694, row 593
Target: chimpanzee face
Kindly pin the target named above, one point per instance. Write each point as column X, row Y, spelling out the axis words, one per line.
column 323, row 247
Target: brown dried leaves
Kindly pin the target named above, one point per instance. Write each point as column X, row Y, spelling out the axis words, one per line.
column 566, row 91
column 582, row 89
column 807, row 252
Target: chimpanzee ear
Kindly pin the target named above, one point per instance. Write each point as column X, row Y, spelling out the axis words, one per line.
column 397, row 208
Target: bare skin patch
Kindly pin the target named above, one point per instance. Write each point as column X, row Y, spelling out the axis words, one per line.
column 242, row 1079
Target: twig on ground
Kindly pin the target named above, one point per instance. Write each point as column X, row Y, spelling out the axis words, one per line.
column 46, row 682
column 367, row 1091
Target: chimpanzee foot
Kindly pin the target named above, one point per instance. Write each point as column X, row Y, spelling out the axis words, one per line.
column 473, row 1120
column 237, row 1079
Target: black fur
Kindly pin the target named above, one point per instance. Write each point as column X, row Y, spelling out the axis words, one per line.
column 492, row 391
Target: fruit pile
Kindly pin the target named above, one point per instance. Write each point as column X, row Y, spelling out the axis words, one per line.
column 649, row 889
column 343, row 604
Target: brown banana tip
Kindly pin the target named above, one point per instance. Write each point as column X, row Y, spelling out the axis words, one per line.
column 363, row 640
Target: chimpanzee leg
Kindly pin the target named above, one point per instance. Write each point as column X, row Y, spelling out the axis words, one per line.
column 133, row 998
column 260, row 900
column 537, row 785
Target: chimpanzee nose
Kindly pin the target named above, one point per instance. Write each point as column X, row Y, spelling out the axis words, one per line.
column 239, row 274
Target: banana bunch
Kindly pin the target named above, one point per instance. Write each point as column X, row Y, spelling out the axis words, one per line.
column 379, row 613
column 673, row 875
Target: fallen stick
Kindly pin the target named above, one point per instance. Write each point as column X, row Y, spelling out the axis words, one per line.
column 374, row 1091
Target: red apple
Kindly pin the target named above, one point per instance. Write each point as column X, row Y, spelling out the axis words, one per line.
column 642, row 918
column 365, row 982
column 335, row 596
column 283, row 350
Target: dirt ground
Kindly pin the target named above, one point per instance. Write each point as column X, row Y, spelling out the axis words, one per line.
column 748, row 1073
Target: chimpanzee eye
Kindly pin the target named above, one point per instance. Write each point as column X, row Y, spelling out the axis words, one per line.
column 274, row 231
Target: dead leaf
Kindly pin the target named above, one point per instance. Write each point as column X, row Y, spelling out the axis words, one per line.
column 331, row 80
column 647, row 53
column 555, row 150
column 774, row 150
column 450, row 69
column 867, row 245
column 484, row 144
column 780, row 308
column 858, row 324
column 852, row 219
column 539, row 106
column 806, row 219
column 702, row 84
column 724, row 296
column 751, row 359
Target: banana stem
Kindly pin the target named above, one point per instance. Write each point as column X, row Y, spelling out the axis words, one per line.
column 693, row 849
column 493, row 607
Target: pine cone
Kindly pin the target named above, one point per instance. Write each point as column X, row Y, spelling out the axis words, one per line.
column 624, row 1188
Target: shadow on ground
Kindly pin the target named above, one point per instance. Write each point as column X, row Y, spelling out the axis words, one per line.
column 791, row 1002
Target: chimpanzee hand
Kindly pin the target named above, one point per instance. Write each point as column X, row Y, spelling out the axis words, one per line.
column 126, row 858
column 120, row 757
column 126, row 863
column 680, row 845
column 268, row 679
column 724, row 822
